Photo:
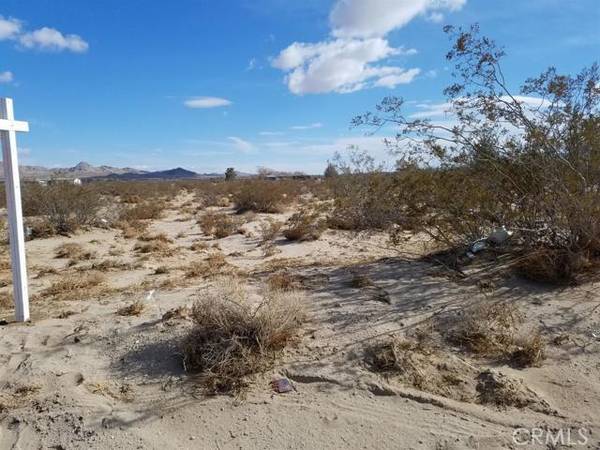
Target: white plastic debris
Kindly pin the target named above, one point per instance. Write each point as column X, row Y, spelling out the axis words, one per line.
column 150, row 295
column 478, row 246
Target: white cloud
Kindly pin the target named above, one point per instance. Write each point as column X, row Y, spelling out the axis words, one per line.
column 53, row 40
column 6, row 77
column 312, row 126
column 45, row 38
column 372, row 18
column 206, row 102
column 252, row 64
column 9, row 28
column 341, row 65
column 271, row 133
column 240, row 144
column 353, row 59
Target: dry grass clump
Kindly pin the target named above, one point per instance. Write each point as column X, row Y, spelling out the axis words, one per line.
column 73, row 287
column 158, row 247
column 214, row 264
column 180, row 313
column 134, row 309
column 553, row 266
column 359, row 281
column 268, row 230
column 6, row 300
column 161, row 237
column 494, row 330
column 305, row 226
column 198, row 246
column 161, row 270
column 284, row 281
column 498, row 389
column 75, row 252
column 219, row 225
column 232, row 340
column 132, row 228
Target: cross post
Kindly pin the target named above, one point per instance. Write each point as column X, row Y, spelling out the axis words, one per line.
column 8, row 128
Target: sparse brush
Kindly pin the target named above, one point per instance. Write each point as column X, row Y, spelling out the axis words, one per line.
column 284, row 281
column 198, row 245
column 530, row 350
column 181, row 312
column 214, row 264
column 73, row 287
column 134, row 309
column 219, row 225
column 232, row 340
column 155, row 247
column 160, row 270
column 132, row 228
column 262, row 196
column 268, row 230
column 161, row 237
column 360, row 281
column 304, row 226
column 552, row 266
column 6, row 300
column 143, row 211
column 73, row 251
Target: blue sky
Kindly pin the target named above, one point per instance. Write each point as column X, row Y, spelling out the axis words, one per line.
column 207, row 84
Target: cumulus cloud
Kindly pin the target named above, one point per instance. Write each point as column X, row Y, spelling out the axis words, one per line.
column 312, row 126
column 241, row 144
column 206, row 102
column 356, row 55
column 6, row 77
column 50, row 39
column 9, row 28
column 341, row 65
column 45, row 38
column 370, row 18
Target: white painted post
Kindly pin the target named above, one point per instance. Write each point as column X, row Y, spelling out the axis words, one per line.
column 8, row 128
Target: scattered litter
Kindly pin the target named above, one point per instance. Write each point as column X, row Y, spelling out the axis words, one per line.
column 282, row 385
column 499, row 236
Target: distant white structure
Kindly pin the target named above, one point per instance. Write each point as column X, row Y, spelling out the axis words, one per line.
column 8, row 135
column 77, row 181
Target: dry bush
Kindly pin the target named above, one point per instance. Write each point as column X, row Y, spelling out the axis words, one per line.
column 73, row 251
column 494, row 330
column 143, row 211
column 269, row 229
column 74, row 287
column 198, row 245
column 160, row 270
column 159, row 237
column 181, row 313
column 359, row 281
column 132, row 228
column 534, row 169
column 219, row 225
column 304, row 226
column 134, row 309
column 60, row 207
column 498, row 389
column 6, row 300
column 158, row 247
column 232, row 340
column 285, row 281
column 263, row 196
column 214, row 264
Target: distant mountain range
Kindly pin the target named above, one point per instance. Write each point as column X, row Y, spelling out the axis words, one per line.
column 86, row 170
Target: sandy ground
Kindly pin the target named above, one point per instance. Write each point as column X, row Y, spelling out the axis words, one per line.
column 81, row 376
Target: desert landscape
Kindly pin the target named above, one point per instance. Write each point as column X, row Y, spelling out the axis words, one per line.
column 278, row 224
column 386, row 346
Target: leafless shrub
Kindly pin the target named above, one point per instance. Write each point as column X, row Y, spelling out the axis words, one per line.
column 262, row 196
column 231, row 340
column 133, row 309
column 143, row 211
column 284, row 281
column 219, row 225
column 269, row 229
column 73, row 251
column 304, row 226
column 60, row 207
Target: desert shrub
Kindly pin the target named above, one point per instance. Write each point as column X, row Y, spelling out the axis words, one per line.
column 219, row 225
column 268, row 230
column 73, row 251
column 528, row 161
column 133, row 309
column 262, row 196
column 232, row 340
column 284, row 281
column 60, row 207
column 6, row 300
column 159, row 247
column 214, row 264
column 74, row 287
column 143, row 211
column 364, row 194
column 494, row 330
column 305, row 225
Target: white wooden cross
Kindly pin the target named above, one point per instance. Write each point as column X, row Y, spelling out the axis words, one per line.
column 8, row 128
